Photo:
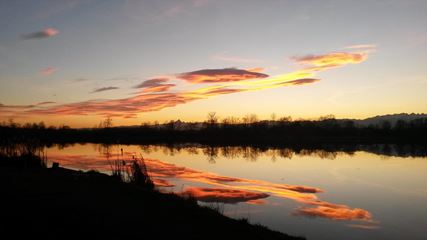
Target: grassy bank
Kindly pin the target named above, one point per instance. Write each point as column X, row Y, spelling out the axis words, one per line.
column 61, row 203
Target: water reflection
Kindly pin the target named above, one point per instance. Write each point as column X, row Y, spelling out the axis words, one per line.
column 307, row 187
column 220, row 188
column 251, row 153
column 245, row 152
column 324, row 151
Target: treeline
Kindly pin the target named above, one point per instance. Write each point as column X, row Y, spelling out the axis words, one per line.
column 271, row 132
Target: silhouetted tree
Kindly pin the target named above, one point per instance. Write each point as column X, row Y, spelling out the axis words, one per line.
column 212, row 119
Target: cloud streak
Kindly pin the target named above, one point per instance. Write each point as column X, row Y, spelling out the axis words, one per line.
column 152, row 83
column 103, row 89
column 45, row 103
column 45, row 33
column 220, row 75
column 155, row 94
column 330, row 60
column 155, row 85
column 367, row 47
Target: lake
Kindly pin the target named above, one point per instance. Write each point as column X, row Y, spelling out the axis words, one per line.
column 374, row 192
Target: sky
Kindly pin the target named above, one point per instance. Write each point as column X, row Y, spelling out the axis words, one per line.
column 77, row 62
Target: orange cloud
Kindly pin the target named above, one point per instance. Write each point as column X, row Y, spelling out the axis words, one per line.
column 127, row 107
column 330, row 60
column 222, row 195
column 162, row 88
column 219, row 75
column 257, row 69
column 155, row 93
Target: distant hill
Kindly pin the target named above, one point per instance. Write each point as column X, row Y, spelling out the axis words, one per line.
column 392, row 118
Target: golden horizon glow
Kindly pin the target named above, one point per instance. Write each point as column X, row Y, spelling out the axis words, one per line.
column 157, row 94
column 141, row 63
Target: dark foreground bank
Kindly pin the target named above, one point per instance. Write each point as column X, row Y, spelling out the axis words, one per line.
column 62, row 203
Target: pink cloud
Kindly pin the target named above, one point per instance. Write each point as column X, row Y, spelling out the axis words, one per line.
column 48, row 71
column 45, row 33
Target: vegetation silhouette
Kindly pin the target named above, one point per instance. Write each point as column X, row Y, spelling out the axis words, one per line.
column 252, row 152
column 23, row 155
column 57, row 202
column 231, row 131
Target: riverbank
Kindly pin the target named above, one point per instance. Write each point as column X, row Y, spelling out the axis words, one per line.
column 63, row 203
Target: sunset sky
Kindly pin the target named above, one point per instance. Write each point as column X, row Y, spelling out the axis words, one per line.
column 76, row 62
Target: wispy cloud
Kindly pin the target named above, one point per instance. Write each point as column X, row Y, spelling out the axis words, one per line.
column 160, row 88
column 371, row 226
column 12, row 111
column 48, row 71
column 321, row 62
column 362, row 47
column 220, row 75
column 45, row 103
column 103, row 89
column 3, row 106
column 155, row 85
column 45, row 33
column 152, row 82
column 154, row 94
column 331, row 60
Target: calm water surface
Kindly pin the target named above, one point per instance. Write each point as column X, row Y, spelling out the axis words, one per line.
column 317, row 194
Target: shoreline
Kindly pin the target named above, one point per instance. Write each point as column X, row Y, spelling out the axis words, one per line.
column 58, row 202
